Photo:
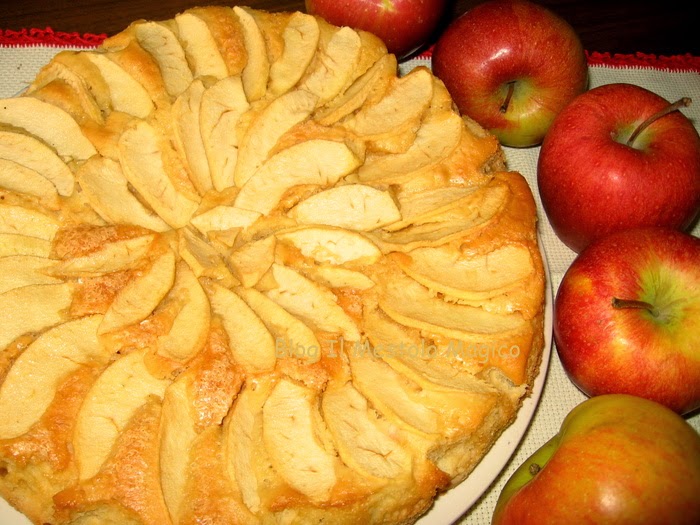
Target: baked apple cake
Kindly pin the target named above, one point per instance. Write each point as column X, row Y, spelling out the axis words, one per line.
column 250, row 274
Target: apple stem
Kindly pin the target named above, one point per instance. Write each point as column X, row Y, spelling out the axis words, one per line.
column 631, row 303
column 682, row 103
column 534, row 468
column 509, row 95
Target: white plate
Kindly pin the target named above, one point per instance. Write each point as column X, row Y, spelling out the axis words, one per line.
column 449, row 507
column 9, row 516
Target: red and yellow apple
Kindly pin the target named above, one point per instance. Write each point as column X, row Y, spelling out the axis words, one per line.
column 627, row 317
column 403, row 25
column 594, row 180
column 617, row 460
column 511, row 65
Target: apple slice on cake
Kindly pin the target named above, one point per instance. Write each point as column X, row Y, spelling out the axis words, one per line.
column 252, row 260
column 471, row 278
column 319, row 162
column 423, row 206
column 189, row 329
column 227, row 35
column 399, row 111
column 327, row 244
column 144, row 158
column 368, row 88
column 336, row 60
column 110, row 257
column 251, row 342
column 126, row 93
column 15, row 244
column 19, row 220
column 203, row 259
column 224, row 218
column 266, row 128
column 301, row 36
column 437, row 137
column 256, row 72
column 115, row 397
column 49, row 123
column 459, row 219
column 364, row 208
column 200, row 47
column 287, row 329
column 137, row 300
column 246, row 457
column 429, row 411
column 194, row 406
column 338, row 277
column 20, row 179
column 311, row 302
column 411, row 304
column 186, row 112
column 25, row 270
column 32, row 381
column 106, row 189
column 35, row 155
column 33, row 308
column 222, row 106
column 162, row 44
column 293, row 438
column 365, row 441
column 177, row 433
column 84, row 79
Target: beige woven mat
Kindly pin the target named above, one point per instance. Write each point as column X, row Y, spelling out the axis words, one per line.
column 18, row 66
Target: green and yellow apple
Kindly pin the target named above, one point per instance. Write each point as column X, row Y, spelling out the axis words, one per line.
column 511, row 65
column 617, row 157
column 627, row 317
column 617, row 460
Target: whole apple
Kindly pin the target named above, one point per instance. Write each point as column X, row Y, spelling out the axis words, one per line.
column 617, row 459
column 511, row 65
column 403, row 25
column 593, row 180
column 627, row 317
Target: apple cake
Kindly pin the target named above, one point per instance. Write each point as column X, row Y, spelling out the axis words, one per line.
column 250, row 274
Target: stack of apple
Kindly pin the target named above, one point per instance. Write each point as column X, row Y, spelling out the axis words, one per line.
column 619, row 177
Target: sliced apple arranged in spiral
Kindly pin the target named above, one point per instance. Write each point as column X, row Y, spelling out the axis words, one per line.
column 226, row 241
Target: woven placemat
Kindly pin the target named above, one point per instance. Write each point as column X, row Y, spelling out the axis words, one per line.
column 23, row 53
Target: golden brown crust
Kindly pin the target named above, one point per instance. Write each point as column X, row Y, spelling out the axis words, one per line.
column 260, row 286
column 40, row 463
column 226, row 31
column 129, row 480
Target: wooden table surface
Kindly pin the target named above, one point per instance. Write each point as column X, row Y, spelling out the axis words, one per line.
column 616, row 26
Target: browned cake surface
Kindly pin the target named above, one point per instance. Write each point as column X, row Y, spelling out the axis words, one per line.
column 248, row 274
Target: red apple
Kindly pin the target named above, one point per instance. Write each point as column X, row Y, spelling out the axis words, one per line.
column 403, row 25
column 617, row 460
column 511, row 65
column 627, row 317
column 593, row 181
